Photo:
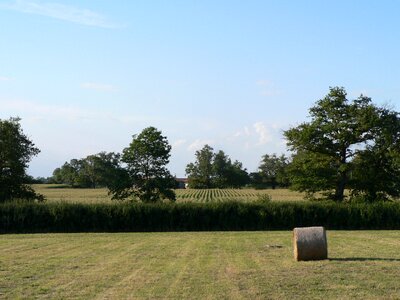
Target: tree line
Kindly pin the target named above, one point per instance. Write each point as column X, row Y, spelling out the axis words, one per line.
column 351, row 145
column 210, row 170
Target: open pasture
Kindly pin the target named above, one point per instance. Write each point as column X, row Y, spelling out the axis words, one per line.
column 54, row 193
column 206, row 265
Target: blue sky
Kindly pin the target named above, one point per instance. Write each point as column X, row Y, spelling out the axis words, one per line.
column 85, row 76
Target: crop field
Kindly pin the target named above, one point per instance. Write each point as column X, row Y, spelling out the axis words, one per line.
column 59, row 193
column 197, row 265
column 216, row 195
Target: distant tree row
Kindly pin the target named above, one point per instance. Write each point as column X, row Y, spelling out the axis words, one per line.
column 98, row 170
column 210, row 170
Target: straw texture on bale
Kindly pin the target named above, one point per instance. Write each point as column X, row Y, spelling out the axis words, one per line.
column 310, row 243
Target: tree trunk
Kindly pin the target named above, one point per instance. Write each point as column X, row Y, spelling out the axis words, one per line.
column 342, row 180
column 340, row 187
column 273, row 183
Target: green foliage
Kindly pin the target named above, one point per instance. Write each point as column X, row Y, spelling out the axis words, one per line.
column 215, row 170
column 98, row 170
column 376, row 172
column 16, row 150
column 64, row 217
column 264, row 198
column 200, row 173
column 148, row 178
column 273, row 171
column 343, row 138
column 312, row 172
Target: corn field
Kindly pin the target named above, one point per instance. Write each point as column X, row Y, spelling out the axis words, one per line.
column 54, row 194
column 245, row 195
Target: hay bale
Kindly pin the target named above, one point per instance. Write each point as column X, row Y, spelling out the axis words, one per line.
column 310, row 243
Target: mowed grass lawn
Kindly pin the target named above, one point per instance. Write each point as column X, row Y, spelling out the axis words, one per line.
column 54, row 193
column 197, row 265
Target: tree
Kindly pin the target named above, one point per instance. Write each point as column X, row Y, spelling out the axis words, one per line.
column 311, row 172
column 16, row 151
column 330, row 149
column 215, row 170
column 273, row 170
column 97, row 170
column 148, row 177
column 200, row 173
column 376, row 172
column 221, row 169
column 237, row 176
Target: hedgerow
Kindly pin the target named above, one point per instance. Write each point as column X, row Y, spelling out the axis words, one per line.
column 25, row 217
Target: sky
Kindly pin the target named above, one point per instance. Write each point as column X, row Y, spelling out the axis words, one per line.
column 85, row 76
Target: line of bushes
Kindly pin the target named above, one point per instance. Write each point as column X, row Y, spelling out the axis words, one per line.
column 64, row 217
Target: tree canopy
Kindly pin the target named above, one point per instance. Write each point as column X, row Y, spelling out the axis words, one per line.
column 215, row 170
column 272, row 170
column 343, row 140
column 97, row 170
column 146, row 161
column 16, row 151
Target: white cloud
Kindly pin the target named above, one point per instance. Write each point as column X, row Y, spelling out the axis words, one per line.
column 198, row 144
column 98, row 87
column 258, row 134
column 4, row 78
column 61, row 12
column 264, row 135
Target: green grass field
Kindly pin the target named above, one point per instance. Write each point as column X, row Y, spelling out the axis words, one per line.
column 207, row 265
column 53, row 193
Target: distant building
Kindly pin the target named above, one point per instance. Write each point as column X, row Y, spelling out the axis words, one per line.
column 182, row 183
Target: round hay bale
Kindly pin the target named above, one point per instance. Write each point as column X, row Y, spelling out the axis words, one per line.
column 310, row 243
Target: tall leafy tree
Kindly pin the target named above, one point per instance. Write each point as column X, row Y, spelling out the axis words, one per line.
column 146, row 161
column 97, row 170
column 221, row 169
column 200, row 173
column 16, row 151
column 376, row 172
column 340, row 131
column 215, row 170
column 273, row 170
column 68, row 173
column 237, row 176
column 100, row 169
column 312, row 172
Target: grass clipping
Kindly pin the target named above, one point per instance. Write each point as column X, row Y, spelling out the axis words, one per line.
column 310, row 243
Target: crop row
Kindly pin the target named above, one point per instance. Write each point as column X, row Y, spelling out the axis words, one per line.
column 217, row 195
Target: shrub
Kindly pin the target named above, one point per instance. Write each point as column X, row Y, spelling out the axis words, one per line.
column 25, row 217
